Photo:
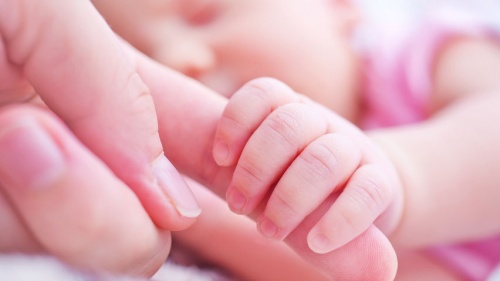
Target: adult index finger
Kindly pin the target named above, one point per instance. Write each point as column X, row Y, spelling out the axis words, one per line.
column 77, row 66
column 68, row 203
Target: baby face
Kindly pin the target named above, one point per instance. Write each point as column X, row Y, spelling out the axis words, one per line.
column 225, row 43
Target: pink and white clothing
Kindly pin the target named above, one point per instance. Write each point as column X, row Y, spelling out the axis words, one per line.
column 399, row 61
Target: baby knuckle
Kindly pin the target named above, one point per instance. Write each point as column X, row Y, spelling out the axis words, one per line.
column 346, row 218
column 257, row 88
column 265, row 91
column 321, row 158
column 287, row 203
column 231, row 118
column 371, row 193
column 247, row 175
column 267, row 86
column 284, row 126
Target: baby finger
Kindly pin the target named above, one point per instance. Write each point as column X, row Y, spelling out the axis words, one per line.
column 270, row 151
column 366, row 195
column 245, row 111
column 322, row 167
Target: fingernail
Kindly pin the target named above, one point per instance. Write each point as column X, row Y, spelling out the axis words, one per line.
column 319, row 243
column 221, row 154
column 172, row 183
column 29, row 157
column 268, row 228
column 236, row 200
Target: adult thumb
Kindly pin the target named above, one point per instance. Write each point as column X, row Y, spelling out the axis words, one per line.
column 77, row 66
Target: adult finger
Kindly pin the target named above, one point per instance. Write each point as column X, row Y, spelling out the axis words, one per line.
column 188, row 142
column 77, row 65
column 73, row 206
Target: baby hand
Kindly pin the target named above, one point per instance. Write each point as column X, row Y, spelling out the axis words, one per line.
column 291, row 155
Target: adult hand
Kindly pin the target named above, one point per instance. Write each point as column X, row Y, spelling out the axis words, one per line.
column 58, row 197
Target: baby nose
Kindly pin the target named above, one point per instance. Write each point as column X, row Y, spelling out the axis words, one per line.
column 188, row 56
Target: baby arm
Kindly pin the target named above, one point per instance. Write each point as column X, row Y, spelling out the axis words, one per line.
column 449, row 163
column 291, row 155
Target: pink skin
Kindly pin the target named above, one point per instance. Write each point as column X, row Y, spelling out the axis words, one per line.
column 369, row 256
column 282, row 143
column 58, row 198
column 208, row 41
column 219, row 42
column 82, row 170
column 88, row 99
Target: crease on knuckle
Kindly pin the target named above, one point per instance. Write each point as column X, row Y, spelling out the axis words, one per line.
column 142, row 107
column 345, row 216
column 250, row 178
column 265, row 86
column 370, row 194
column 273, row 92
column 230, row 120
column 321, row 158
column 139, row 103
column 259, row 90
column 27, row 26
column 262, row 91
column 286, row 204
column 285, row 126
